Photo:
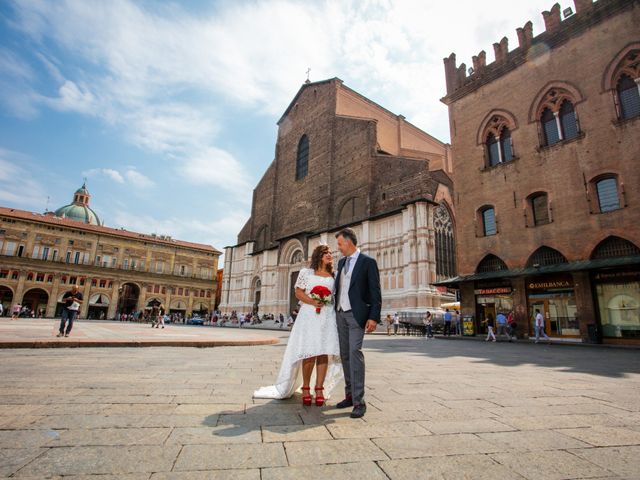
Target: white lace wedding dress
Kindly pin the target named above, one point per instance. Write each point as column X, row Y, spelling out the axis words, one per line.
column 312, row 334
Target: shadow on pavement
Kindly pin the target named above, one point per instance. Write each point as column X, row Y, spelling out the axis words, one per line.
column 608, row 362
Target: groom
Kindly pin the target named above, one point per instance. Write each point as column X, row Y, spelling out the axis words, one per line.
column 358, row 303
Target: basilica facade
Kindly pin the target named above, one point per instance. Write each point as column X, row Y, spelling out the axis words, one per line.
column 343, row 160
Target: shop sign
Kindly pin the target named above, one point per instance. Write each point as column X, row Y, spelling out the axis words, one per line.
column 617, row 276
column 492, row 291
column 549, row 284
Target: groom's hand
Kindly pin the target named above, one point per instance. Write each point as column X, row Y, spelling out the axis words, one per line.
column 371, row 326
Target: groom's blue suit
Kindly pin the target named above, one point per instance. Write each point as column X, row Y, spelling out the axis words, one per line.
column 365, row 298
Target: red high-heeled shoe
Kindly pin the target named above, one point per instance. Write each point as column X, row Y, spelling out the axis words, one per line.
column 319, row 396
column 306, row 399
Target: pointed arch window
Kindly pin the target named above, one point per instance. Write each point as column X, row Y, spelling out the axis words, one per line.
column 302, row 159
column 557, row 117
column 497, row 141
column 491, row 263
column 613, row 246
column 445, row 243
column 546, row 256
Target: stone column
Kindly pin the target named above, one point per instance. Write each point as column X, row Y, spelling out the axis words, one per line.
column 584, row 303
column 190, row 303
column 84, row 308
column 115, row 298
column 53, row 298
column 520, row 307
column 17, row 297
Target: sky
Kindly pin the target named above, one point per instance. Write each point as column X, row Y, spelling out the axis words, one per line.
column 169, row 109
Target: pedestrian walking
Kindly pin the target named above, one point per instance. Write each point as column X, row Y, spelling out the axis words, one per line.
column 501, row 319
column 490, row 324
column 160, row 317
column 396, row 323
column 512, row 325
column 15, row 311
column 447, row 323
column 428, row 325
column 72, row 300
column 539, row 323
column 389, row 322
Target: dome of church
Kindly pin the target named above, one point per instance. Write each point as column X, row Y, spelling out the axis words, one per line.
column 79, row 209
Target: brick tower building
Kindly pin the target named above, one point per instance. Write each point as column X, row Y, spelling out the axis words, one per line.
column 342, row 160
column 546, row 164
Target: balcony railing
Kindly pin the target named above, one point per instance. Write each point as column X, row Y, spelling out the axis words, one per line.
column 118, row 267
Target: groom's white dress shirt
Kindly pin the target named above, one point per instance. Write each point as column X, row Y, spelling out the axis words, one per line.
column 345, row 280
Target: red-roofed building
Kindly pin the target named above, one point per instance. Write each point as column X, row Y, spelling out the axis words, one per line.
column 117, row 270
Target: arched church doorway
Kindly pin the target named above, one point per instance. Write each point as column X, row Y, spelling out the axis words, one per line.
column 257, row 287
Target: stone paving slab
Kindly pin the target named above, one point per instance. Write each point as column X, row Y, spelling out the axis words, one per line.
column 437, row 409
column 458, row 467
column 554, row 465
column 203, row 457
column 97, row 460
column 340, row 471
column 332, row 451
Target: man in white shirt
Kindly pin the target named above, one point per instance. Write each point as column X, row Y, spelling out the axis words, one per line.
column 539, row 319
column 396, row 323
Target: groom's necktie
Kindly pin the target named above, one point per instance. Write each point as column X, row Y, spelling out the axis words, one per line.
column 346, row 265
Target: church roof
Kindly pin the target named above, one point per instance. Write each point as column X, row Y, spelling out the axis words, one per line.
column 79, row 213
column 302, row 88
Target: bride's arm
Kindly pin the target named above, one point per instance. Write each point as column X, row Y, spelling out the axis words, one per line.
column 304, row 298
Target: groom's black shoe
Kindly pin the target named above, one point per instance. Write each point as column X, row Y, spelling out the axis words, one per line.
column 347, row 402
column 358, row 411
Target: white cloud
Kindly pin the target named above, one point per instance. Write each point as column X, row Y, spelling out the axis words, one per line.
column 107, row 172
column 130, row 176
column 137, row 179
column 19, row 188
column 215, row 167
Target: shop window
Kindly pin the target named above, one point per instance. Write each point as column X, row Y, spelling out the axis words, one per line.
column 40, row 277
column 103, row 283
column 491, row 263
column 14, row 275
column 613, row 246
column 110, row 284
column 608, row 196
column 30, row 277
column 545, row 256
column 50, row 279
column 63, row 280
column 72, row 280
column 4, row 273
column 94, row 282
column 82, row 280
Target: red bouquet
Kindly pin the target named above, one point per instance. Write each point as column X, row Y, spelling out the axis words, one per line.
column 321, row 294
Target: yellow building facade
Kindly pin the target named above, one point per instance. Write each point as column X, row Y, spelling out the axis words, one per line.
column 117, row 271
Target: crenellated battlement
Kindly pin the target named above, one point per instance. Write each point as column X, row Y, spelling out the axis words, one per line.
column 460, row 81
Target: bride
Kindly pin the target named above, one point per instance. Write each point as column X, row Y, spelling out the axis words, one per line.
column 313, row 341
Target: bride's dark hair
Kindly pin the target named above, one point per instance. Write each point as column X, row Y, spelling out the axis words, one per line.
column 316, row 259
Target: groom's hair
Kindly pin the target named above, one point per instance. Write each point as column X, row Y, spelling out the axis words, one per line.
column 348, row 234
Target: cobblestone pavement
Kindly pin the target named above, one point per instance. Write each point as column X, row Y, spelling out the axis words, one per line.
column 437, row 409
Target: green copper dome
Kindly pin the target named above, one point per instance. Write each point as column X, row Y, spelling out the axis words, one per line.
column 79, row 209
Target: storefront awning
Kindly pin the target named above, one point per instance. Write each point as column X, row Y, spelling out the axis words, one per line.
column 580, row 265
